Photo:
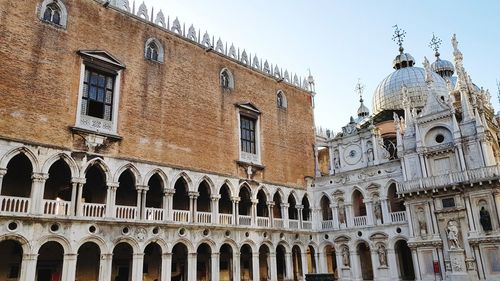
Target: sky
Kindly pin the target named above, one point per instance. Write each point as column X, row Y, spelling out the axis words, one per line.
column 343, row 41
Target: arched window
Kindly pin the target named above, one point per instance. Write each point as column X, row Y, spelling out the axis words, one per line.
column 54, row 12
column 153, row 50
column 226, row 79
column 281, row 99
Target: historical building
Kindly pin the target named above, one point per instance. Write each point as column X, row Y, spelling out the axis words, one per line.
column 134, row 147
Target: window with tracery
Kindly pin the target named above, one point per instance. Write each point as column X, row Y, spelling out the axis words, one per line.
column 53, row 12
column 153, row 50
column 226, row 79
column 281, row 99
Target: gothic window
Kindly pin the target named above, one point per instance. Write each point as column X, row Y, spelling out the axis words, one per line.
column 99, row 92
column 391, row 147
column 281, row 99
column 247, row 126
column 226, row 79
column 153, row 50
column 53, row 12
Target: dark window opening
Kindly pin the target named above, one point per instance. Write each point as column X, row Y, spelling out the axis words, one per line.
column 52, row 14
column 247, row 126
column 224, row 79
column 448, row 202
column 97, row 94
column 152, row 51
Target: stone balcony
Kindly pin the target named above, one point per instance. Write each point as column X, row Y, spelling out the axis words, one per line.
column 469, row 177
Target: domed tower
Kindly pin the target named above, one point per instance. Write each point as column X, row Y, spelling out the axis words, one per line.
column 363, row 111
column 388, row 97
column 442, row 67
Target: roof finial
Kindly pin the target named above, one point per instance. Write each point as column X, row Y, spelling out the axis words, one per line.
column 359, row 90
column 435, row 44
column 399, row 35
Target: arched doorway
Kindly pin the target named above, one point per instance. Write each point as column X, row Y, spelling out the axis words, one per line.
column 293, row 214
column 246, row 263
column 151, row 269
column 326, row 210
column 405, row 260
column 58, row 189
column 365, row 260
column 154, row 199
column 16, row 183
column 203, row 263
column 49, row 265
column 11, row 255
column 281, row 262
column 122, row 262
column 262, row 210
column 88, row 262
column 311, row 259
column 297, row 263
column 203, row 203
column 179, row 262
column 358, row 204
column 226, row 263
column 225, row 206
column 181, row 201
column 395, row 204
column 264, row 270
column 331, row 260
column 306, row 213
column 245, row 206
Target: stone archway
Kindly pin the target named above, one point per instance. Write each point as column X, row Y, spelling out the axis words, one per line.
column 404, row 260
column 88, row 262
column 11, row 255
column 49, row 265
column 365, row 261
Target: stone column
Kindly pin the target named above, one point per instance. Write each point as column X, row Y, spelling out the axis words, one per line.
column 322, row 267
column 110, row 199
column 496, row 198
column 386, row 216
column 137, row 264
column 69, row 267
column 142, row 191
column 215, row 208
column 28, row 267
column 392, row 264
column 432, row 219
column 355, row 265
column 193, row 196
column 215, row 266
column 299, row 213
column 409, row 218
column 192, row 267
column 375, row 264
column 284, row 214
column 369, row 211
column 470, row 219
column 166, row 267
column 236, row 267
column 335, row 215
column 416, row 266
column 273, row 266
column 255, row 266
column 106, row 267
column 77, row 196
column 253, row 212
column 316, row 162
column 288, row 266
column 479, row 263
column 3, row 171
column 270, row 206
column 349, row 215
column 305, row 268
column 236, row 211
column 169, row 206
column 37, row 190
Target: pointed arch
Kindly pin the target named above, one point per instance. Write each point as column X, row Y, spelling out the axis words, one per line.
column 229, row 185
column 209, row 181
column 160, row 173
column 132, row 168
column 186, row 178
column 20, row 150
column 101, row 164
column 66, row 158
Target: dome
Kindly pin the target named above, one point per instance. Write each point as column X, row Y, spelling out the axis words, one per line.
column 403, row 60
column 388, row 95
column 442, row 65
column 363, row 110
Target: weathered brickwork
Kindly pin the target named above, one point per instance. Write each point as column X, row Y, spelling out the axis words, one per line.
column 173, row 113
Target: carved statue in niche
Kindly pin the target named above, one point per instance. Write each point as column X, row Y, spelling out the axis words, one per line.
column 369, row 151
column 485, row 219
column 336, row 159
column 452, row 232
column 377, row 210
column 382, row 255
column 341, row 212
column 422, row 222
column 345, row 256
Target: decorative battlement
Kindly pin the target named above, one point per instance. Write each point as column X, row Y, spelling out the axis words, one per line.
column 208, row 42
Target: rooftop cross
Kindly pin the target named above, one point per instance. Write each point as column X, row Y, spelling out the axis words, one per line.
column 399, row 35
column 435, row 44
column 359, row 90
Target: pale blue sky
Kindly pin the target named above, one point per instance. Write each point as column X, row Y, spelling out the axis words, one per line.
column 341, row 41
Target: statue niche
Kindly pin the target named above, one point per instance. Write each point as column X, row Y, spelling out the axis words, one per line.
column 485, row 219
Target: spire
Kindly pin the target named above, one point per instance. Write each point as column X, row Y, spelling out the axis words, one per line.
column 399, row 36
column 462, row 82
column 442, row 67
column 435, row 44
column 363, row 111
